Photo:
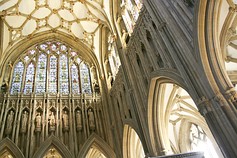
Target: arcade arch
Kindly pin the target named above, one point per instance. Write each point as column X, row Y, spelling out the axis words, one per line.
column 132, row 145
column 176, row 124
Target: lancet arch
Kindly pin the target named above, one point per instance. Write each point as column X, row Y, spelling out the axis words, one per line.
column 52, row 143
column 7, row 146
column 132, row 145
column 94, row 141
column 14, row 51
column 174, row 120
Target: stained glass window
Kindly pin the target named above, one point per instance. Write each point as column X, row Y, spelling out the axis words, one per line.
column 17, row 78
column 130, row 13
column 75, row 79
column 41, row 74
column 51, row 67
column 85, row 78
column 63, row 78
column 29, row 79
column 53, row 75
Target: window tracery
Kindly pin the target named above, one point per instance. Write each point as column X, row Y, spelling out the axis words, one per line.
column 130, row 12
column 200, row 142
column 51, row 67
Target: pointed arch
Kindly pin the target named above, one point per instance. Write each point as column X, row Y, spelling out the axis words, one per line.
column 52, row 141
column 18, row 48
column 95, row 141
column 132, row 145
column 171, row 107
column 11, row 147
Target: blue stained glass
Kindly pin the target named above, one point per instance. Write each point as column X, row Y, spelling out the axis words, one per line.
column 75, row 79
column 29, row 80
column 85, row 79
column 43, row 46
column 63, row 78
column 53, row 74
column 17, row 78
column 41, row 74
column 51, row 64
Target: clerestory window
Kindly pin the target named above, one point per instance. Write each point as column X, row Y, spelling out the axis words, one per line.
column 130, row 12
column 51, row 67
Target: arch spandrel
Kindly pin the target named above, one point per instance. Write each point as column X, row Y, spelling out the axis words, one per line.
column 7, row 144
column 52, row 142
column 167, row 99
column 97, row 142
column 132, row 145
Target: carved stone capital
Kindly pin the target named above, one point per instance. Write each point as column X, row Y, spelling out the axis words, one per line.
column 219, row 98
column 231, row 95
column 204, row 105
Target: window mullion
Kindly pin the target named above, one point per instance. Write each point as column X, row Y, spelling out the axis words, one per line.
column 68, row 72
column 36, row 72
column 58, row 74
column 23, row 78
column 47, row 72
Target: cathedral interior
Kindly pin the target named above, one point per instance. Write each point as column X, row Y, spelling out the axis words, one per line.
column 118, row 78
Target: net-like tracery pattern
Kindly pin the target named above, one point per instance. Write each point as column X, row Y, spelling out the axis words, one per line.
column 51, row 67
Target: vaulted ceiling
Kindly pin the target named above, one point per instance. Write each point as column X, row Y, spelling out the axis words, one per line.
column 80, row 19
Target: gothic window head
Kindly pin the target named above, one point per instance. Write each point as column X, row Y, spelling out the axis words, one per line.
column 51, row 67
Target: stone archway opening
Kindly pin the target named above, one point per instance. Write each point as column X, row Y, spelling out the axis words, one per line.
column 176, row 124
column 132, row 145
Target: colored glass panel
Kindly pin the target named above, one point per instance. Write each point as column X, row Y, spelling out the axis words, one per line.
column 17, row 78
column 53, row 75
column 63, row 78
column 75, row 79
column 85, row 79
column 29, row 80
column 41, row 74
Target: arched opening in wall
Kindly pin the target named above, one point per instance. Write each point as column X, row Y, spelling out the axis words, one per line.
column 95, row 153
column 52, row 152
column 96, row 146
column 63, row 70
column 52, row 67
column 132, row 145
column 175, row 124
column 9, row 150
